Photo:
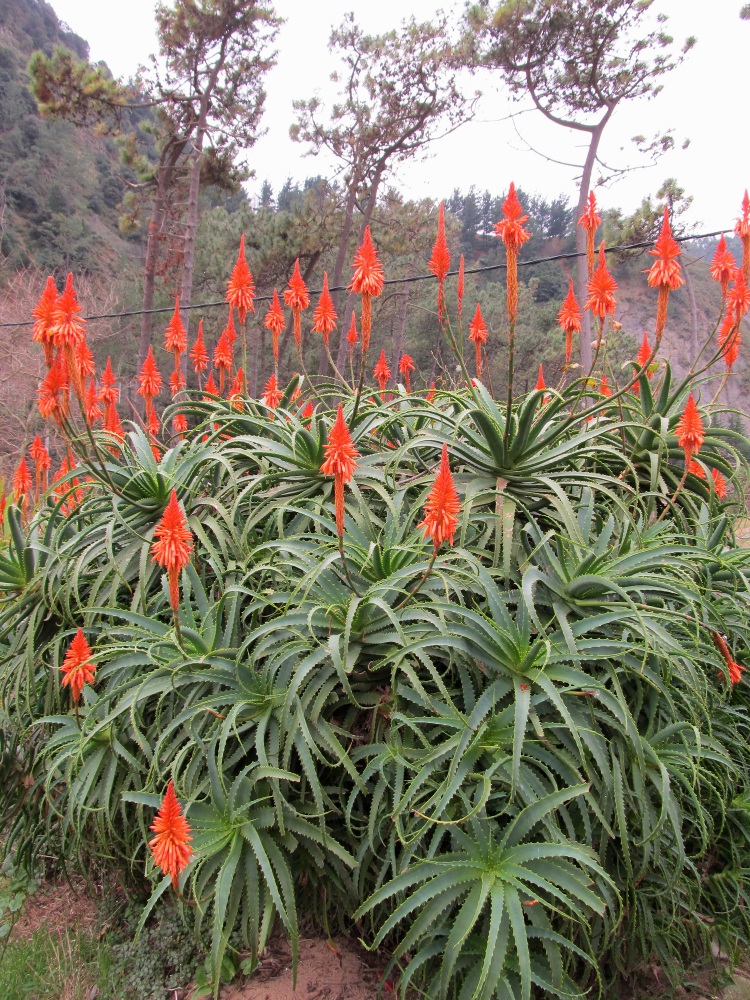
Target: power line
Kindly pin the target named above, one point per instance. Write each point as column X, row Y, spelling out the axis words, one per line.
column 389, row 281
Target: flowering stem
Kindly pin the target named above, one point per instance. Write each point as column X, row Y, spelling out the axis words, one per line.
column 509, row 404
column 420, row 582
column 333, row 365
column 346, row 568
column 671, row 501
column 360, row 385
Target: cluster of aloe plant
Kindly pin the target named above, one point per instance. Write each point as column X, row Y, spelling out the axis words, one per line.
column 530, row 774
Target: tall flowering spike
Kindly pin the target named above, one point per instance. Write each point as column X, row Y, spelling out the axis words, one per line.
column 179, row 424
column 176, row 382
column 44, row 318
column 223, row 358
column 154, row 424
column 91, row 409
column 340, row 462
column 149, row 381
column 21, row 480
column 734, row 670
column 351, row 337
column 406, row 366
column 237, row 389
column 368, row 281
column 229, row 331
column 590, row 221
column 569, row 318
column 175, row 334
column 738, row 298
column 601, row 290
column 324, row 317
column 720, row 484
column 664, row 273
column 113, row 424
column 511, row 232
column 275, row 322
column 53, row 395
column 382, row 372
column 430, row 393
column 689, row 430
column 644, row 353
column 723, row 265
column 460, row 287
column 241, row 287
column 696, row 469
column 77, row 667
column 172, row 545
column 198, row 352
column 308, row 410
column 42, row 463
column 442, row 507
column 297, row 298
column 171, row 846
column 604, row 386
column 272, row 395
column 742, row 229
column 440, row 261
column 730, row 340
column 478, row 336
column 85, row 360
column 540, row 383
column 210, row 387
column 109, row 394
column 68, row 330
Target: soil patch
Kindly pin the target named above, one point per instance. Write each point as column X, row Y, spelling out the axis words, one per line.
column 341, row 970
column 56, row 907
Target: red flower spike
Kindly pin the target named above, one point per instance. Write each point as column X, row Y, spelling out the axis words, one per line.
column 442, row 507
column 723, row 265
column 406, row 366
column 77, row 667
column 171, row 846
column 198, row 352
column 149, row 381
column 720, row 484
column 172, row 545
column 368, row 281
column 272, row 395
column 223, row 358
column 590, row 221
column 665, row 271
column 440, row 260
column 297, row 298
column 229, row 331
column 511, row 232
column 351, row 337
column 67, row 329
column 176, row 382
column 85, row 360
column 601, row 289
column 742, row 229
column 604, row 387
column 112, row 423
column 44, row 317
column 738, row 298
column 382, row 372
column 324, row 317
column 237, row 389
column 210, row 387
column 460, row 288
column 569, row 318
column 340, row 462
column 540, row 383
column 241, row 287
column 644, row 353
column 689, row 430
column 734, row 670
column 308, row 410
column 430, row 393
column 175, row 335
column 39, row 454
column 109, row 394
column 478, row 336
column 154, row 424
column 53, row 395
column 696, row 469
column 21, row 480
column 179, row 424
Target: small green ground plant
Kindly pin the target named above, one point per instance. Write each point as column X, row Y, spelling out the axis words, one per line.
column 495, row 720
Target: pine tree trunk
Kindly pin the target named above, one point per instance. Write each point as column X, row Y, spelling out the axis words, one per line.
column 191, row 225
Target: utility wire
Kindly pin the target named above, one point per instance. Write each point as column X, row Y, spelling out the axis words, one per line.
column 389, row 281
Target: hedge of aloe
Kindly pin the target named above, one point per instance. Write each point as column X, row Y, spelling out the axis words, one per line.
column 521, row 768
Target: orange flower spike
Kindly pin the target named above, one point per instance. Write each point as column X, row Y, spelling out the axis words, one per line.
column 738, row 299
column 351, row 337
column 171, row 846
column 198, row 352
column 297, row 298
column 324, row 317
column 42, row 463
column 689, row 430
column 644, row 353
column 406, row 366
column 272, row 395
column 604, row 387
column 113, row 424
column 368, row 281
column 440, row 260
column 241, row 287
column 21, row 480
column 109, row 394
column 85, row 361
column 275, row 322
column 308, row 411
column 478, row 336
column 77, row 667
column 44, row 318
column 590, row 221
column 149, row 381
column 179, row 424
column 229, row 330
column 172, row 545
column 664, row 273
column 340, row 462
column 540, row 383
column 382, row 373
column 723, row 265
column 734, row 670
column 53, row 393
column 442, row 507
column 237, row 389
column 511, row 232
column 223, row 358
column 696, row 469
column 569, row 318
column 176, row 382
column 67, row 329
column 460, row 287
column 742, row 229
column 720, row 484
column 210, row 387
column 430, row 393
column 601, row 291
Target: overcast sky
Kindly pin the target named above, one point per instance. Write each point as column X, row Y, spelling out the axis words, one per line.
column 704, row 100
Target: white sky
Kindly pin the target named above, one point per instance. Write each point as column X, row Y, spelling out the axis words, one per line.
column 705, row 100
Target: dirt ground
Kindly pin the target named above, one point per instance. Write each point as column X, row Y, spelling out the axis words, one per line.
column 58, row 906
column 341, row 970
